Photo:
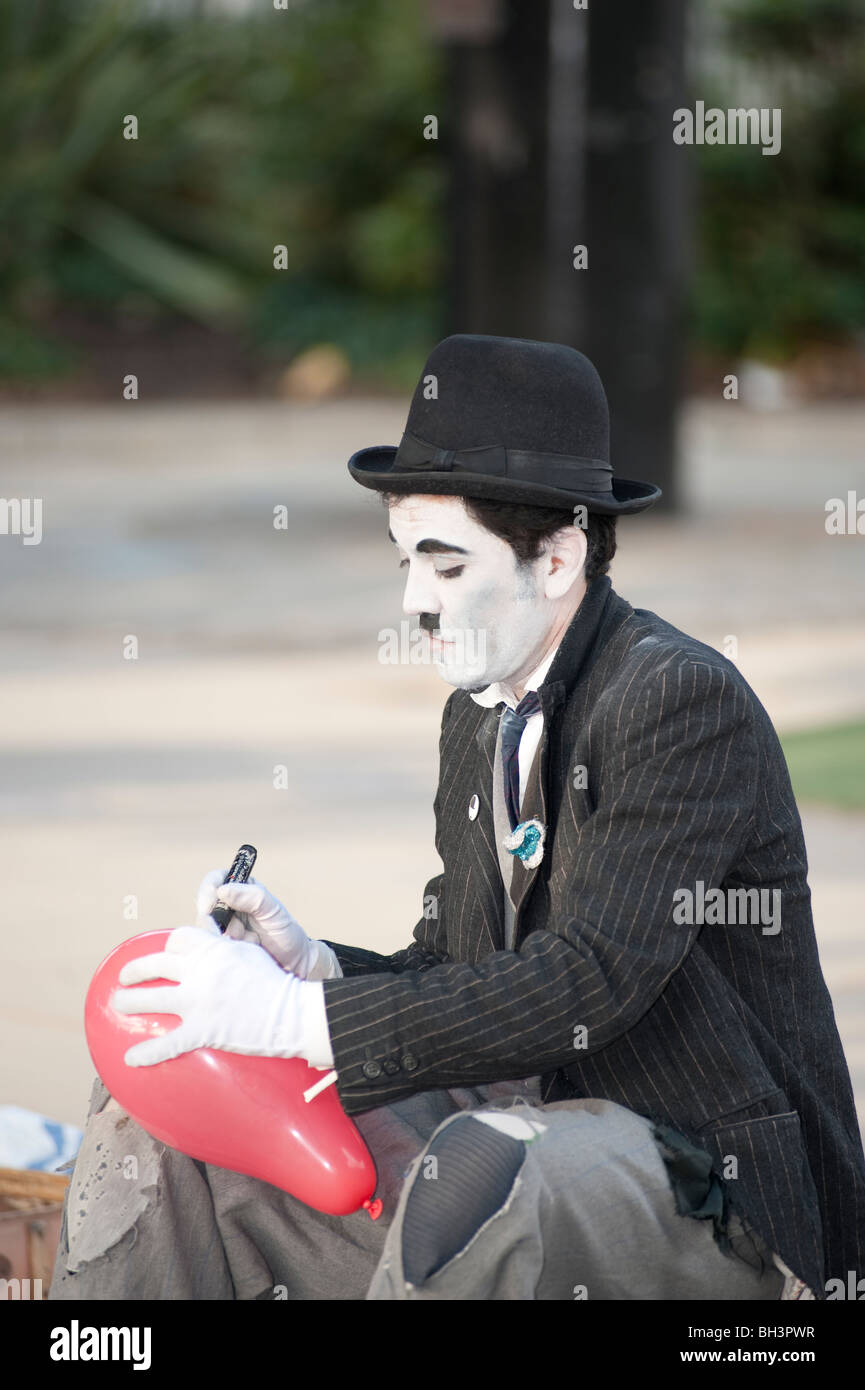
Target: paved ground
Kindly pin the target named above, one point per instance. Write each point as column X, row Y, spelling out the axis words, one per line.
column 260, row 647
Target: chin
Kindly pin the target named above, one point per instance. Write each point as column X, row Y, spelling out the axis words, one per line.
column 462, row 677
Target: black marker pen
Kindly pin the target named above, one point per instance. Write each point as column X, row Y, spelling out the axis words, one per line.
column 238, row 873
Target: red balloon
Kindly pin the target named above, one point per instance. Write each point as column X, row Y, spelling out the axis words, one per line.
column 247, row 1114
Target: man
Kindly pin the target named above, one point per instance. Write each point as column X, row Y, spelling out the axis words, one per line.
column 608, row 1059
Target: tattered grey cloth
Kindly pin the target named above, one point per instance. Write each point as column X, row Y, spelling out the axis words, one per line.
column 583, row 1209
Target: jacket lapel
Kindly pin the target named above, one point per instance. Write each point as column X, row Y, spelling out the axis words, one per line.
column 536, row 800
column 484, row 901
column 534, row 807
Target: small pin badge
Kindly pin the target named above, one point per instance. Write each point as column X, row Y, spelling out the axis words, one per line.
column 526, row 842
column 474, row 807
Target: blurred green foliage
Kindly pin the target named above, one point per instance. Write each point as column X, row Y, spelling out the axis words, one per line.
column 304, row 127
column 300, row 127
column 781, row 237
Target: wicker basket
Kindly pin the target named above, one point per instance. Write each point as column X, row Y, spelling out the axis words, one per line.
column 31, row 1206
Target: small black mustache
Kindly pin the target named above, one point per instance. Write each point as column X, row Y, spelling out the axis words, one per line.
column 429, row 622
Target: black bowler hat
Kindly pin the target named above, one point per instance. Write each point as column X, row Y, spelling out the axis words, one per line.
column 510, row 420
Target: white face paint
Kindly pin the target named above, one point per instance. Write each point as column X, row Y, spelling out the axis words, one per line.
column 496, row 621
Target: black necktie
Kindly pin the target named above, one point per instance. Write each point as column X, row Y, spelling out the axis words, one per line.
column 513, row 724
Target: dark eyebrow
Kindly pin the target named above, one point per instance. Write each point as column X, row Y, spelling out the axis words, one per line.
column 430, row 546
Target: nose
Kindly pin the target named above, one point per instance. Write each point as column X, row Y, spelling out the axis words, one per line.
column 419, row 595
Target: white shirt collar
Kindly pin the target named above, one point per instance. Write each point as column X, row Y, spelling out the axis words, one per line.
column 500, row 690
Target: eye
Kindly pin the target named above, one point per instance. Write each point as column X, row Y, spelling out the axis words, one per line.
column 445, row 574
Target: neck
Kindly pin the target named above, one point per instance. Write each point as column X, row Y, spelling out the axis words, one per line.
column 553, row 639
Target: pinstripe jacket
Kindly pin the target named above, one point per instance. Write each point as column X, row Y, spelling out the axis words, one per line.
column 659, row 771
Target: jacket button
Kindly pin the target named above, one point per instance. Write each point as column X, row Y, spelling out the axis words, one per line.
column 391, row 1066
column 410, row 1062
column 371, row 1070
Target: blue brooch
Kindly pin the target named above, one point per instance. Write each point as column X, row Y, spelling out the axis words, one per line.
column 526, row 841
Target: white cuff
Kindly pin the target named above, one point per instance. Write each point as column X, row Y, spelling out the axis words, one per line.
column 325, row 966
column 314, row 1030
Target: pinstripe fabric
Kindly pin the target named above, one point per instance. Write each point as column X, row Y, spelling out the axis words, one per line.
column 724, row 1032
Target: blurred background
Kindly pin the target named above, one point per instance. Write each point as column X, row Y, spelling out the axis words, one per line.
column 230, row 233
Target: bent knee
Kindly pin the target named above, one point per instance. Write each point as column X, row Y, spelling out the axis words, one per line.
column 466, row 1177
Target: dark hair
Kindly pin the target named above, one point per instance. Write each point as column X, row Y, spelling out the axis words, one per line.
column 526, row 528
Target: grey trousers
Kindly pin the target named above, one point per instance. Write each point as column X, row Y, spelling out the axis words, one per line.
column 588, row 1214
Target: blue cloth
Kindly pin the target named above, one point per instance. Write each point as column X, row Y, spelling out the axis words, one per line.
column 30, row 1140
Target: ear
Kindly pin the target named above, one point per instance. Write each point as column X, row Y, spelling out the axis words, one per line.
column 564, row 560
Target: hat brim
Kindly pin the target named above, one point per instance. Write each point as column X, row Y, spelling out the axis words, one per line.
column 373, row 468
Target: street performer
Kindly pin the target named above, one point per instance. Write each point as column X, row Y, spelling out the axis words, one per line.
column 573, row 1084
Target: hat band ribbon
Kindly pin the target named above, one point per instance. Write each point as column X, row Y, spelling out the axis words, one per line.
column 593, row 476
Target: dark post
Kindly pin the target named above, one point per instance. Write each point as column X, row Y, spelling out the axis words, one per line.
column 566, row 226
column 558, row 132
column 636, row 182
column 495, row 140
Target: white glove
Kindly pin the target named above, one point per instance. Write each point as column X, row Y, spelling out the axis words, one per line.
column 230, row 995
column 261, row 918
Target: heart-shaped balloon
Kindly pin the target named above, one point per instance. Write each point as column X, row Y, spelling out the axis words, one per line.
column 247, row 1114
